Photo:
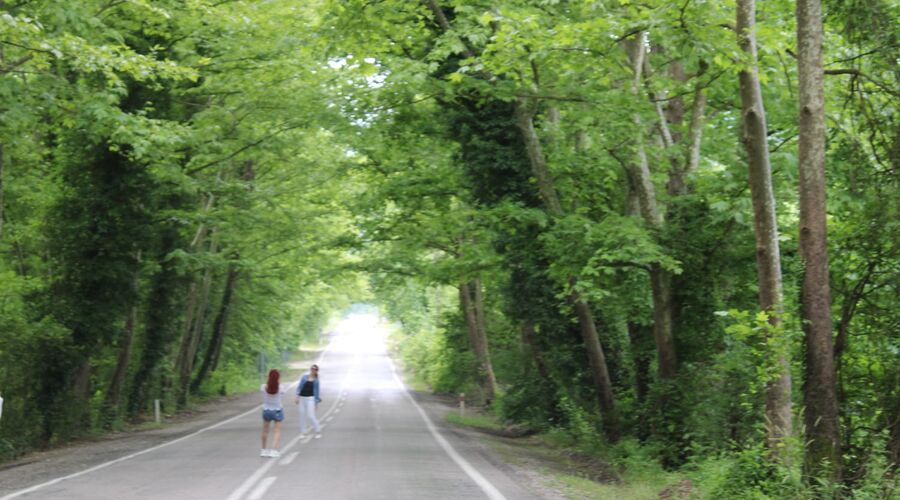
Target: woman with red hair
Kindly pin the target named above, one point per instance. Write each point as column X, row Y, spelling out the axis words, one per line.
column 273, row 411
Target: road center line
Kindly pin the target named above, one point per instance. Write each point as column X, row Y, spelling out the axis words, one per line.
column 250, row 481
column 148, row 450
column 261, row 488
column 290, row 458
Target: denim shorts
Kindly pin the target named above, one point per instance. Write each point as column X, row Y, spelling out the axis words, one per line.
column 270, row 415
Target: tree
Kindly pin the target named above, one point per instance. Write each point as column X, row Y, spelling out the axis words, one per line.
column 755, row 139
column 820, row 396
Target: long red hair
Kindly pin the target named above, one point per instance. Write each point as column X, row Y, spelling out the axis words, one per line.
column 272, row 384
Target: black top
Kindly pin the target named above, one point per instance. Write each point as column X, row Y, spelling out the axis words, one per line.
column 307, row 389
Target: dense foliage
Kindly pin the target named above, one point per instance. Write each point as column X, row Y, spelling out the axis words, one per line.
column 169, row 205
column 550, row 197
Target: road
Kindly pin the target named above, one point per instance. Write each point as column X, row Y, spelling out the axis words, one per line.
column 377, row 443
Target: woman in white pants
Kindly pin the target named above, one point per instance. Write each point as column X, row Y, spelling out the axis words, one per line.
column 308, row 399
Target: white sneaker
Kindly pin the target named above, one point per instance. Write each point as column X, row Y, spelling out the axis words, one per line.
column 264, row 453
column 274, row 454
column 318, row 436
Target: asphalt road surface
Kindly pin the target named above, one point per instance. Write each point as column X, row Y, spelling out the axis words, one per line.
column 377, row 443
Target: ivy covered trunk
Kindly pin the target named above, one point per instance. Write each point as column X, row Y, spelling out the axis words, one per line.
column 550, row 198
column 469, row 296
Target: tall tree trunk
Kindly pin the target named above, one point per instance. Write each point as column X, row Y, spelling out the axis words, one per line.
column 660, row 278
column 160, row 326
column 181, row 361
column 193, row 335
column 596, row 357
column 194, row 315
column 893, row 424
column 2, row 190
column 81, row 395
column 114, row 393
column 820, row 394
column 211, row 359
column 481, row 322
column 478, row 339
column 527, row 333
column 768, row 259
column 546, row 190
column 641, row 353
column 848, row 310
column 677, row 184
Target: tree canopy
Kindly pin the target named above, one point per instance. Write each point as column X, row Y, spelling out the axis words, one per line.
column 671, row 225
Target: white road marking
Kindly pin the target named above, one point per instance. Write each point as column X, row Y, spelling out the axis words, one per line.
column 290, row 458
column 489, row 489
column 127, row 457
column 250, row 481
column 142, row 452
column 261, row 488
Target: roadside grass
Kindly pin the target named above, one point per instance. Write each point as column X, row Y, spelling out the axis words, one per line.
column 576, row 488
column 476, row 421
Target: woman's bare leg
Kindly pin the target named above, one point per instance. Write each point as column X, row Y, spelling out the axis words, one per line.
column 276, row 436
column 265, row 433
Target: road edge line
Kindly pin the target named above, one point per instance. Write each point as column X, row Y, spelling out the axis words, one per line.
column 126, row 457
column 489, row 489
column 148, row 450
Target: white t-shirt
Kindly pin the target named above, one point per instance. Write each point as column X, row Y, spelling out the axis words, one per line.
column 273, row 401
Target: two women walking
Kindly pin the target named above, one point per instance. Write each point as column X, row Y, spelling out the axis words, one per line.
column 307, row 397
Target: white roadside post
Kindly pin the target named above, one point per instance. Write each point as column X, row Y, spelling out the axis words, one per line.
column 462, row 404
column 156, row 410
column 1, row 406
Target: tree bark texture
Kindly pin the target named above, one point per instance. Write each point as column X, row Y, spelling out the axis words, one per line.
column 81, row 395
column 468, row 297
column 211, row 358
column 525, row 122
column 2, row 190
column 820, row 394
column 160, row 325
column 197, row 300
column 181, row 361
column 527, row 334
column 641, row 171
column 768, row 259
column 641, row 354
column 596, row 357
column 599, row 369
column 114, row 393
column 848, row 310
column 660, row 278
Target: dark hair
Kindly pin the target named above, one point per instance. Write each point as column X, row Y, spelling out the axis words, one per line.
column 272, row 384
